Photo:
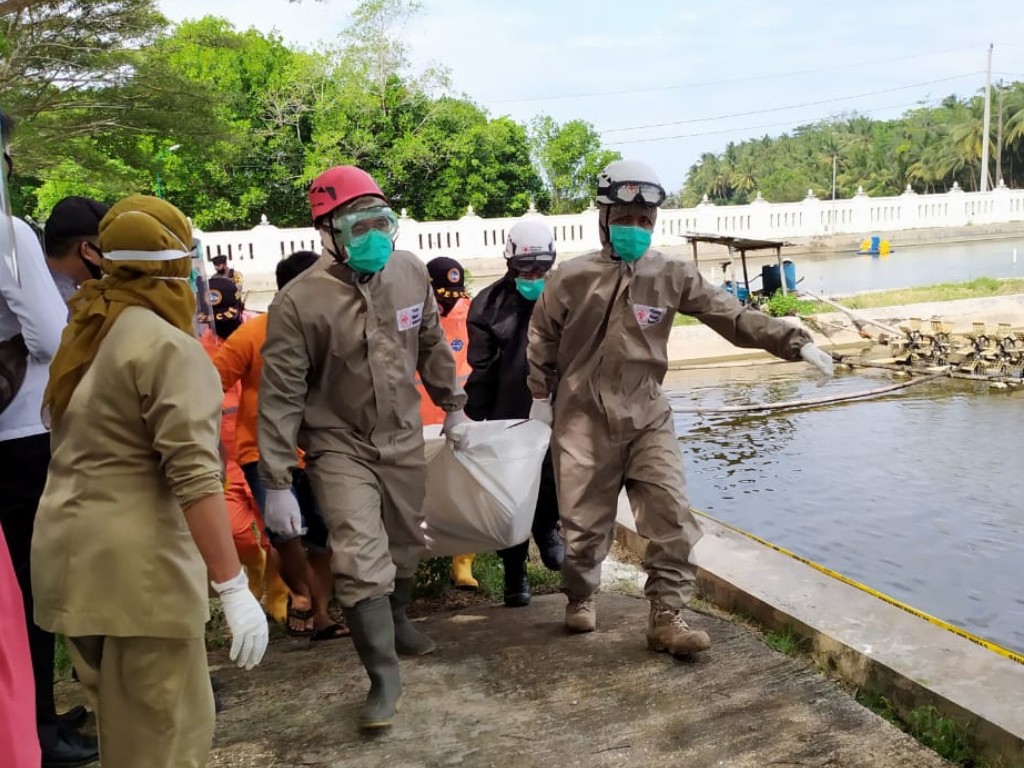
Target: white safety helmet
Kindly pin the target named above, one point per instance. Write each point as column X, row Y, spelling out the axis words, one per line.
column 629, row 181
column 529, row 246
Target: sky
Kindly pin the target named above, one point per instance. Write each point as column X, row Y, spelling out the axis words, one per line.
column 666, row 80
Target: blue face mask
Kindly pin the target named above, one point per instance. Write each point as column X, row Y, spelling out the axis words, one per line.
column 530, row 289
column 367, row 254
column 630, row 243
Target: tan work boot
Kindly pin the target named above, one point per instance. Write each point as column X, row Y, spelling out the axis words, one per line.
column 666, row 631
column 581, row 616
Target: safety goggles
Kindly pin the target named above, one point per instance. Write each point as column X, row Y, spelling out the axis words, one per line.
column 625, row 192
column 529, row 263
column 349, row 226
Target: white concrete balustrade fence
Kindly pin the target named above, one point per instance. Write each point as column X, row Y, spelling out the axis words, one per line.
column 255, row 252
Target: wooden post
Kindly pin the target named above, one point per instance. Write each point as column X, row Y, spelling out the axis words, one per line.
column 746, row 279
column 694, row 244
column 782, row 274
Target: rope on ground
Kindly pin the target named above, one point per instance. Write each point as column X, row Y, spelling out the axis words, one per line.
column 811, row 401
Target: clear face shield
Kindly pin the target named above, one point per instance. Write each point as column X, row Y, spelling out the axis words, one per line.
column 8, row 247
column 203, row 320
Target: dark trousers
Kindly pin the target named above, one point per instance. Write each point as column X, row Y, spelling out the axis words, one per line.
column 545, row 520
column 23, row 466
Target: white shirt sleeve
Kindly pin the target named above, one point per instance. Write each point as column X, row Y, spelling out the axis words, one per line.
column 40, row 311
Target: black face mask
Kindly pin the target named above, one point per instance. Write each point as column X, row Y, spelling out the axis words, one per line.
column 226, row 327
column 446, row 304
column 95, row 270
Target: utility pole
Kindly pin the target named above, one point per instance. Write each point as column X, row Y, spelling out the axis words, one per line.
column 999, row 137
column 986, row 123
column 833, row 194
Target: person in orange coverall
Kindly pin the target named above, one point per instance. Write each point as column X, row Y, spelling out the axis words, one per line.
column 449, row 281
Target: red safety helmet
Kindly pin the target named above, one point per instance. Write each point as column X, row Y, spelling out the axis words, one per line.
column 339, row 185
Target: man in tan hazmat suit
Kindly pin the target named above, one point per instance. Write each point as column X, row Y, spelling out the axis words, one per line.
column 345, row 341
column 597, row 351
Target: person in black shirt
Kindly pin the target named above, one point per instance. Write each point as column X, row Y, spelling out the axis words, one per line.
column 498, row 321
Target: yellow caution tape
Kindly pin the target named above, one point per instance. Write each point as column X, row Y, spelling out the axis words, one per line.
column 1006, row 653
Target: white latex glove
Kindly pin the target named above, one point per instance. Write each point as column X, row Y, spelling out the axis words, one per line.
column 820, row 359
column 450, row 428
column 459, row 437
column 246, row 620
column 281, row 513
column 541, row 411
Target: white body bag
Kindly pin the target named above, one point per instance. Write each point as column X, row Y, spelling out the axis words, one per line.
column 483, row 498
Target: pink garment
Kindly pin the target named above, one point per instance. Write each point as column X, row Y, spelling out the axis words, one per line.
column 19, row 742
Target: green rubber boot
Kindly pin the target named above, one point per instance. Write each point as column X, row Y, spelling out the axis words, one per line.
column 373, row 634
column 409, row 641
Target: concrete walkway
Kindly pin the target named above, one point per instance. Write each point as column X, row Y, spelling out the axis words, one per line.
column 509, row 688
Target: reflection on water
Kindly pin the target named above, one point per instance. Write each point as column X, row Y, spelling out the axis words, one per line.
column 919, row 493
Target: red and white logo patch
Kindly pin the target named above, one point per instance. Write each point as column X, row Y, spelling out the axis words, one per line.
column 410, row 317
column 647, row 316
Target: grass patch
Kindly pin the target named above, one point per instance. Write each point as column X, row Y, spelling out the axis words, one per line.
column 789, row 305
column 61, row 659
column 785, row 642
column 434, row 577
column 979, row 288
column 940, row 734
column 217, row 633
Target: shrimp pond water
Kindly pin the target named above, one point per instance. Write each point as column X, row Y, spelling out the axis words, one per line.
column 919, row 493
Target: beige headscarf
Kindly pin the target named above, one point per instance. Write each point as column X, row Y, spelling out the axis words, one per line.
column 146, row 264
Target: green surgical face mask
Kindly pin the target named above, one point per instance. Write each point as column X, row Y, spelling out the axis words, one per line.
column 530, row 289
column 367, row 254
column 629, row 242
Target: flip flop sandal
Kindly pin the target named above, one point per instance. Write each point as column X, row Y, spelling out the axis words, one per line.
column 330, row 632
column 294, row 614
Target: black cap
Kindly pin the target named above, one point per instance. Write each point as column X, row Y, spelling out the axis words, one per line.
column 448, row 278
column 219, row 259
column 73, row 217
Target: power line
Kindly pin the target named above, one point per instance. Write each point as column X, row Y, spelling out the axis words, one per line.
column 790, row 106
column 764, row 126
column 727, row 81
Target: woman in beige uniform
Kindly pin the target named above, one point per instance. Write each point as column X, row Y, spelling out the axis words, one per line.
column 133, row 516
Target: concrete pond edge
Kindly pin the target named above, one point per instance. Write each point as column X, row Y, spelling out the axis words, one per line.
column 861, row 640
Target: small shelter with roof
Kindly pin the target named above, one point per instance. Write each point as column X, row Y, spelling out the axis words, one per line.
column 773, row 277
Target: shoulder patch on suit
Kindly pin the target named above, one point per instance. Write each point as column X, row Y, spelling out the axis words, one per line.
column 457, row 345
column 410, row 317
column 648, row 316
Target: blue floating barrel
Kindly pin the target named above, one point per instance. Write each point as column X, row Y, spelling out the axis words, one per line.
column 876, row 242
column 771, row 281
column 789, row 270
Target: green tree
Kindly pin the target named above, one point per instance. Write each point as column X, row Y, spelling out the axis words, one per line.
column 570, row 158
column 249, row 88
column 929, row 148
